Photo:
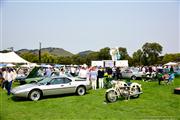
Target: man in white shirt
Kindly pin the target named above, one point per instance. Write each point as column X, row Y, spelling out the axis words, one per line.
column 9, row 77
column 83, row 73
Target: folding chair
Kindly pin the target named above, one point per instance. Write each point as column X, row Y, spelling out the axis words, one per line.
column 171, row 78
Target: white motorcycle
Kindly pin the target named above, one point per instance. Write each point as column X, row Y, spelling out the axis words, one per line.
column 123, row 89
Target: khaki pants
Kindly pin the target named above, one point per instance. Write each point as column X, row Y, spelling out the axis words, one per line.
column 93, row 82
column 101, row 82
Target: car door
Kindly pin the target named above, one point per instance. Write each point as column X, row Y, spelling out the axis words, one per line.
column 127, row 73
column 124, row 73
column 68, row 86
column 54, row 87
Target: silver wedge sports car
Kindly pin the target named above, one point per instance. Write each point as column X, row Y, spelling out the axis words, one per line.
column 52, row 86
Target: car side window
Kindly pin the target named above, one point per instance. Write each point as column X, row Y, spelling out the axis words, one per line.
column 126, row 71
column 57, row 81
column 66, row 80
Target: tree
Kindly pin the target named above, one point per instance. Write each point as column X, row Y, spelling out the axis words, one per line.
column 171, row 58
column 137, row 57
column 92, row 56
column 78, row 60
column 151, row 53
column 104, row 54
column 47, row 58
column 123, row 53
column 64, row 60
column 30, row 57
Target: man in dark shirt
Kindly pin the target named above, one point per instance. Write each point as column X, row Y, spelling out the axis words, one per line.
column 118, row 73
column 101, row 77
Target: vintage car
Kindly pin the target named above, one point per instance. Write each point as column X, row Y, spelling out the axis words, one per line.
column 34, row 75
column 132, row 73
column 52, row 86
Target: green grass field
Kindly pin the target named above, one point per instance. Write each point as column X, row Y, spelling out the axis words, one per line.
column 156, row 102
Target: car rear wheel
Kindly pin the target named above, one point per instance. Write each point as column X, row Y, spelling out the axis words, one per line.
column 35, row 95
column 81, row 90
column 133, row 77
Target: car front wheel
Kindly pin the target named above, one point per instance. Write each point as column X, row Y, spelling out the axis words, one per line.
column 35, row 95
column 81, row 90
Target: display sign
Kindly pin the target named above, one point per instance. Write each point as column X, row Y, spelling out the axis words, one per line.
column 108, row 63
column 97, row 63
column 121, row 63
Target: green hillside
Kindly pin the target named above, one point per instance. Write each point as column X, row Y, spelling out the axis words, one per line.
column 83, row 53
column 51, row 50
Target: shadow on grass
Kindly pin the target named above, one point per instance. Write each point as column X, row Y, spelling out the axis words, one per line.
column 21, row 99
column 120, row 99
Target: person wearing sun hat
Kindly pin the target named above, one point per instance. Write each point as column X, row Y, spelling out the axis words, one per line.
column 93, row 77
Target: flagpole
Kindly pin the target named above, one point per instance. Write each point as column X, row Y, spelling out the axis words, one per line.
column 40, row 52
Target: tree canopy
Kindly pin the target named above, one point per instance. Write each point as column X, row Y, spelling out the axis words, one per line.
column 151, row 53
column 148, row 55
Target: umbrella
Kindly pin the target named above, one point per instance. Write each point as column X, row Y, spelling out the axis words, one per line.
column 171, row 63
column 2, row 65
column 10, row 65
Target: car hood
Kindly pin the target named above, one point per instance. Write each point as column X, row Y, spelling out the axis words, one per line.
column 23, row 87
column 79, row 78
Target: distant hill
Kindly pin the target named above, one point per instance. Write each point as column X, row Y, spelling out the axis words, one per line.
column 51, row 50
column 85, row 52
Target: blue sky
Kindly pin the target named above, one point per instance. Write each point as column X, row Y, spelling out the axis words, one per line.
column 77, row 26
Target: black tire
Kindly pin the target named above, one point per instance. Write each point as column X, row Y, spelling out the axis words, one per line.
column 133, row 77
column 81, row 90
column 136, row 90
column 35, row 95
column 111, row 96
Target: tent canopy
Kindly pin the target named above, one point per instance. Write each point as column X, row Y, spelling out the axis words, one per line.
column 11, row 57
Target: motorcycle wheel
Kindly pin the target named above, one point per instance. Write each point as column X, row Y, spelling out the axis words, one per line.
column 111, row 96
column 135, row 91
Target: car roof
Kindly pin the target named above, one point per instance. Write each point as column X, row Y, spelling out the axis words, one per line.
column 60, row 77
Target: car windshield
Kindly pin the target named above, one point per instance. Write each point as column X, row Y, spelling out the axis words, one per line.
column 44, row 81
column 135, row 70
column 68, row 75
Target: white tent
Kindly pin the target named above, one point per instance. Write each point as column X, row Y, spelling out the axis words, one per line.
column 11, row 57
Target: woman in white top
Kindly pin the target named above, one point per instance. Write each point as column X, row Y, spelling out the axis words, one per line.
column 93, row 77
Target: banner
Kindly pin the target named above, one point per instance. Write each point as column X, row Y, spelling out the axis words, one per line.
column 97, row 63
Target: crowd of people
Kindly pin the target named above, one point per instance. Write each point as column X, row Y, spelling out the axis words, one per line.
column 98, row 76
column 7, row 75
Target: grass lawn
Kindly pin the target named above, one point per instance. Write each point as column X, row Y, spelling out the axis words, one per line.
column 156, row 102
